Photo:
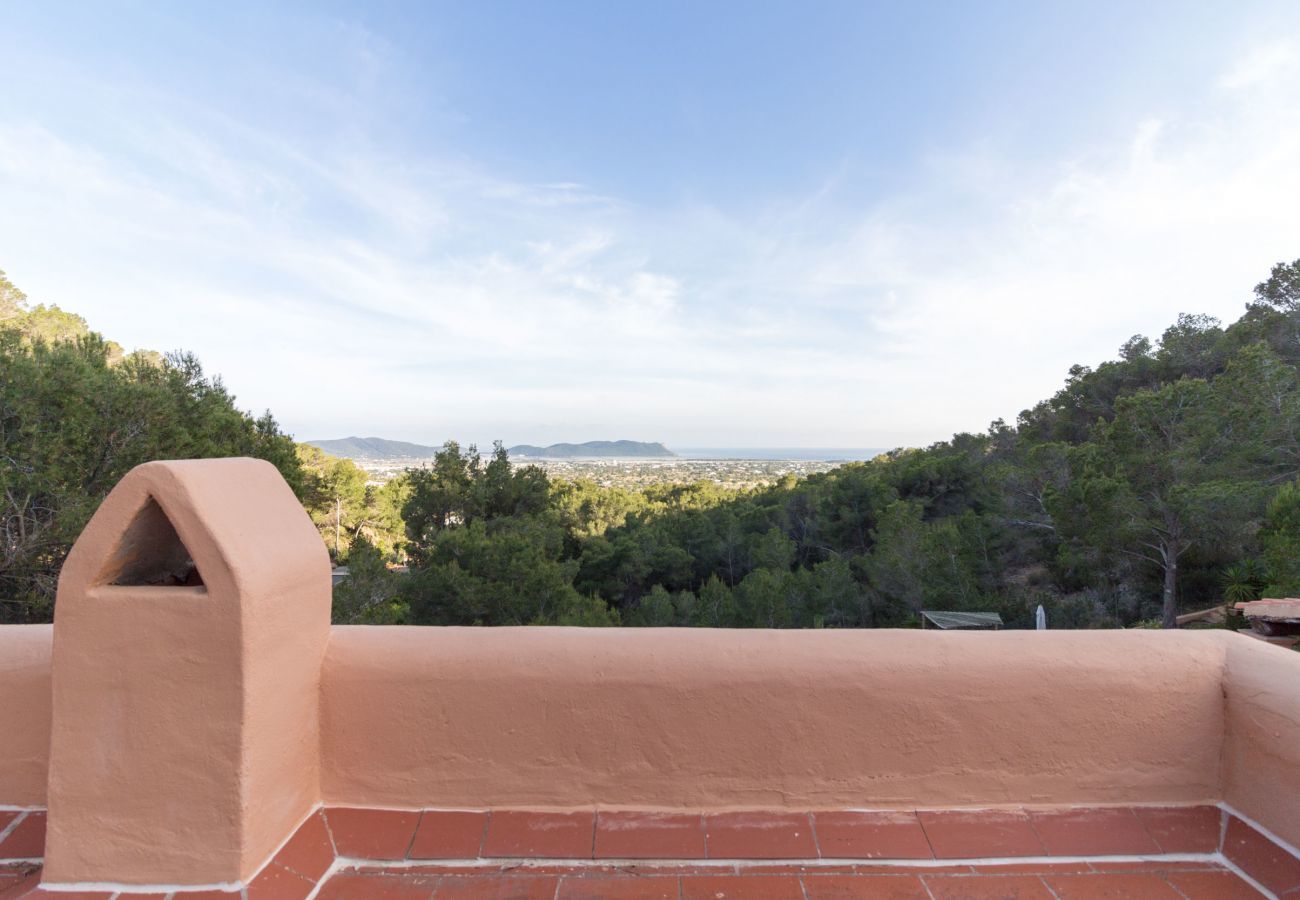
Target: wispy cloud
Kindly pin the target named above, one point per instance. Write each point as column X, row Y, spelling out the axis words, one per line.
column 422, row 295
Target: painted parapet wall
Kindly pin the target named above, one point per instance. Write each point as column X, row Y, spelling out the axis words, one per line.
column 1261, row 751
column 189, row 631
column 692, row 718
column 25, row 652
column 419, row 724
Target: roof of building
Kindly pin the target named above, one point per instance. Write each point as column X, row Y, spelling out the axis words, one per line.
column 1284, row 610
column 946, row 619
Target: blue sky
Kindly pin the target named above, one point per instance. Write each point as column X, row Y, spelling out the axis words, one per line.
column 817, row 224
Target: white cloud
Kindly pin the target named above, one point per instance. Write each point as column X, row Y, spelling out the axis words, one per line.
column 354, row 290
column 1269, row 63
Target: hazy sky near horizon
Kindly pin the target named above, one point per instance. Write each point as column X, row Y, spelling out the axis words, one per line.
column 706, row 223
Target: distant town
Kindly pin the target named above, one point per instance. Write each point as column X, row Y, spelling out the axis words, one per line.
column 630, row 472
column 625, row 464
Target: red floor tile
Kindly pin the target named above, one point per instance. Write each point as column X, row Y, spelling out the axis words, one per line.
column 1044, row 868
column 874, row 887
column 553, row 835
column 808, row 868
column 928, row 870
column 1220, row 885
column 618, row 887
column 310, row 851
column 1112, row 831
column 539, row 867
column 497, row 887
column 1111, row 886
column 1182, row 829
column 760, row 835
column 449, row 834
column 7, row 816
column 135, row 896
column 19, row 874
column 741, row 887
column 419, row 867
column 987, row 887
column 72, row 895
column 1260, row 858
column 277, row 883
column 647, row 835
column 654, row 868
column 967, row 834
column 27, row 840
column 395, row 886
column 1160, row 866
column 506, row 866
column 371, row 833
column 871, row 835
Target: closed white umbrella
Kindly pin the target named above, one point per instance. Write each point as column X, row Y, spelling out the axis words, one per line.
column 1041, row 618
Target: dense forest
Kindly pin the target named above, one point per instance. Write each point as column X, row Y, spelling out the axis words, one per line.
column 76, row 414
column 1161, row 481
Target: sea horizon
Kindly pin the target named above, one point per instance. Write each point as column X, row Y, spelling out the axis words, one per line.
column 824, row 454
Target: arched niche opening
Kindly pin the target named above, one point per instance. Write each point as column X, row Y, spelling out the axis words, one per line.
column 149, row 553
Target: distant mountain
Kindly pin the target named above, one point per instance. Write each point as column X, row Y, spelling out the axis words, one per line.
column 593, row 448
column 374, row 448
column 382, row 448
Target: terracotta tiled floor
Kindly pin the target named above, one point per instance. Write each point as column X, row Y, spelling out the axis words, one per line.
column 23, row 836
column 1056, row 855
column 1268, row 863
column 546, row 835
column 636, row 835
column 1206, row 881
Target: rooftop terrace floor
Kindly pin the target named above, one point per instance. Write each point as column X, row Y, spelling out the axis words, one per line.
column 1186, row 852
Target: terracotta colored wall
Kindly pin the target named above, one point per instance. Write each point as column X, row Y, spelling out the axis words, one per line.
column 811, row 719
column 24, row 713
column 691, row 719
column 1261, row 758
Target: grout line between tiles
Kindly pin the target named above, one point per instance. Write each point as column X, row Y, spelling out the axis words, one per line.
column 1244, row 876
column 411, row 843
column 9, row 829
column 929, row 843
column 482, row 840
column 1177, row 890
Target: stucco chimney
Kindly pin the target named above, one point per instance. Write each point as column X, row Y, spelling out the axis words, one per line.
column 191, row 622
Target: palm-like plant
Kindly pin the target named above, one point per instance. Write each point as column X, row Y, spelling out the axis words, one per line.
column 1244, row 581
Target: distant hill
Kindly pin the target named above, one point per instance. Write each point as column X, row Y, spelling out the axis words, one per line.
column 382, row 448
column 593, row 448
column 374, row 448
